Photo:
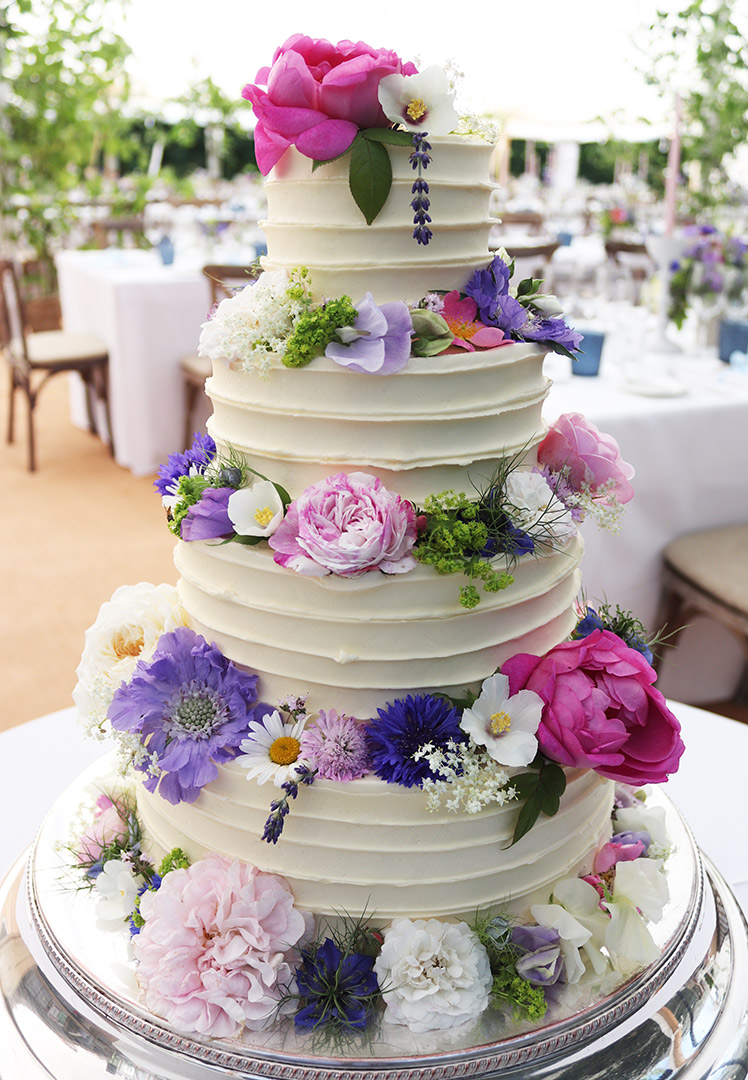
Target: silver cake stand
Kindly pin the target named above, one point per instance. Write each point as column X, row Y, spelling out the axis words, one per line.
column 69, row 1006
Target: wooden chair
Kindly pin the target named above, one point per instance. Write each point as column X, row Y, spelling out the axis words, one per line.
column 224, row 281
column 531, row 219
column 532, row 259
column 35, row 357
column 706, row 573
column 118, row 231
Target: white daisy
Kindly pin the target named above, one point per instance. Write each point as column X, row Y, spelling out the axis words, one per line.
column 272, row 749
column 504, row 724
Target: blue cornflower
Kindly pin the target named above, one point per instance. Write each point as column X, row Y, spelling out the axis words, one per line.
column 403, row 727
column 339, row 989
column 136, row 919
column 197, row 457
column 191, row 708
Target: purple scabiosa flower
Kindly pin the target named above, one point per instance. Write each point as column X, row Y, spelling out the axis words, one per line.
column 339, row 989
column 403, row 727
column 337, row 746
column 540, row 959
column 196, row 458
column 209, row 518
column 191, row 707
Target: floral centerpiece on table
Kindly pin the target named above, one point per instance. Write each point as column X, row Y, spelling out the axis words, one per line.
column 615, row 219
column 713, row 269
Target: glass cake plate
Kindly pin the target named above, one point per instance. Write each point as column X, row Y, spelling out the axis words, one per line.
column 70, row 1009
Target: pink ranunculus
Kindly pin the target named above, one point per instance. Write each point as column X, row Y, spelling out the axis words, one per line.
column 346, row 524
column 216, row 952
column 318, row 96
column 460, row 317
column 601, row 710
column 109, row 824
column 586, row 456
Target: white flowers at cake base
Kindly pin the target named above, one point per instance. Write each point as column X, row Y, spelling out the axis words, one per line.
column 505, row 724
column 127, row 629
column 117, row 890
column 434, row 975
column 641, row 892
column 536, row 508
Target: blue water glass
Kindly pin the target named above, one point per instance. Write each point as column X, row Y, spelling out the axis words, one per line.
column 587, row 360
column 733, row 337
column 166, row 250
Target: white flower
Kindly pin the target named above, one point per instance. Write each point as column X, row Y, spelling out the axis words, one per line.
column 640, row 893
column 547, row 304
column 466, row 778
column 117, row 888
column 504, row 724
column 127, row 629
column 422, row 102
column 271, row 752
column 576, row 915
column 536, row 509
column 256, row 510
column 434, row 975
column 643, row 818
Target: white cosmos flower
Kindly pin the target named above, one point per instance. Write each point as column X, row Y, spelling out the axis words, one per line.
column 504, row 724
column 271, row 750
column 117, row 888
column 422, row 102
column 536, row 508
column 256, row 510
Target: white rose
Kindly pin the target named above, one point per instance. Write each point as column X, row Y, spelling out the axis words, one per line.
column 434, row 975
column 536, row 508
column 127, row 629
column 117, row 890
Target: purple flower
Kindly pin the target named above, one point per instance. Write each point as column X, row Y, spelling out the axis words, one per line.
column 196, row 458
column 641, row 836
column 209, row 518
column 339, row 989
column 554, row 329
column 586, row 625
column 378, row 343
column 540, row 959
column 337, row 746
column 191, row 707
column 403, row 727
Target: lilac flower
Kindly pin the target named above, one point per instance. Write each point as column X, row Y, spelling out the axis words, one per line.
column 378, row 343
column 403, row 727
column 191, row 708
column 337, row 746
column 339, row 989
column 208, row 518
column 541, row 961
column 196, row 458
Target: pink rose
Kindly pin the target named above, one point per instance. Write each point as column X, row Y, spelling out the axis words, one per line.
column 109, row 824
column 601, row 710
column 575, row 448
column 318, row 96
column 213, row 956
column 346, row 525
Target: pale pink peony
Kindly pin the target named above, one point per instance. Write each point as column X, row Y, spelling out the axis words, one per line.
column 318, row 96
column 586, row 458
column 346, row 524
column 109, row 824
column 213, row 956
column 601, row 710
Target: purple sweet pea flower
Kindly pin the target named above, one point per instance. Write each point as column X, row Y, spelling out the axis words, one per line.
column 641, row 836
column 378, row 343
column 209, row 518
column 540, row 961
column 190, row 707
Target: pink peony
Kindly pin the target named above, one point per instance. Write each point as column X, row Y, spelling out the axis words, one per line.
column 318, row 96
column 468, row 331
column 109, row 824
column 586, row 457
column 213, row 954
column 601, row 710
column 346, row 525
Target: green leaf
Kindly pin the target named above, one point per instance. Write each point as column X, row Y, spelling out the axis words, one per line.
column 370, row 176
column 549, row 803
column 326, row 161
column 526, row 784
column 430, row 346
column 389, row 135
column 528, row 815
column 249, row 540
column 553, row 778
column 285, row 497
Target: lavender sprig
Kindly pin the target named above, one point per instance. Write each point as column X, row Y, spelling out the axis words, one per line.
column 420, row 160
column 279, row 808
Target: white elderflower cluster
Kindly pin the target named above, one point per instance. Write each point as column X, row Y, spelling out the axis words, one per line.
column 252, row 327
column 468, row 779
column 601, row 504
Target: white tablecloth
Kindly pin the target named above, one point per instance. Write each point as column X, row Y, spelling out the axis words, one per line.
column 149, row 315
column 39, row 759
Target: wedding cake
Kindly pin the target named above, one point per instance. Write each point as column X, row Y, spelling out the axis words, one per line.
column 374, row 689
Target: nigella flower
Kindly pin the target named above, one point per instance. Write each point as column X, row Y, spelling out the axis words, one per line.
column 339, row 989
column 195, row 460
column 191, row 707
column 403, row 727
column 337, row 746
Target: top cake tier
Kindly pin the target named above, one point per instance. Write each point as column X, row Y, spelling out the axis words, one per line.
column 313, row 221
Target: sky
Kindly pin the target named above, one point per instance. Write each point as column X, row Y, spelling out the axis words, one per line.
column 530, row 62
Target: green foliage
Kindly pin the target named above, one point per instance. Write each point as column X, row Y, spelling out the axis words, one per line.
column 370, row 176
column 540, row 791
column 508, row 988
column 315, row 329
column 190, row 492
column 175, row 860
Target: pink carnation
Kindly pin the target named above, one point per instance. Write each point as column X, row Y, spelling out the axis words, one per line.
column 213, row 956
column 346, row 524
column 601, row 710
column 575, row 448
column 109, row 824
column 318, row 96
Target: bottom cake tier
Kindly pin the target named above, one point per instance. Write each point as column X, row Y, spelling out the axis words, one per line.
column 70, row 1005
